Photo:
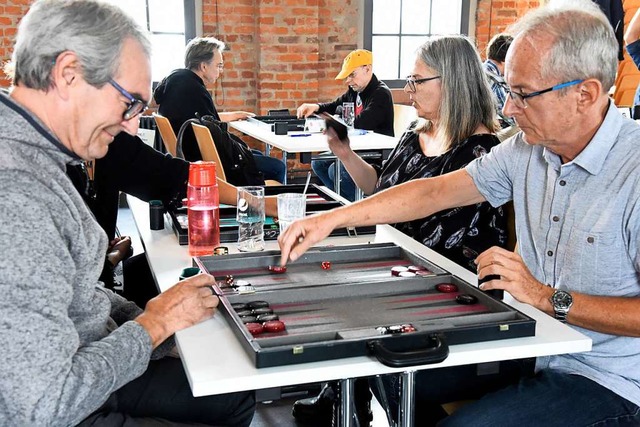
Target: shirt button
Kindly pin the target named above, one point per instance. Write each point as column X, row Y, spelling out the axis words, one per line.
column 563, row 182
column 550, row 253
column 556, row 218
column 590, row 239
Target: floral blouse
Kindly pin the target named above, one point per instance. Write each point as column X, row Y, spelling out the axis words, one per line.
column 459, row 234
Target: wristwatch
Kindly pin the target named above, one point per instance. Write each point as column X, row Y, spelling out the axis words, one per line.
column 561, row 302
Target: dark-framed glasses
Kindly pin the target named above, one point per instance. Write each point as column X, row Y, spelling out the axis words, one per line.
column 519, row 99
column 412, row 83
column 134, row 107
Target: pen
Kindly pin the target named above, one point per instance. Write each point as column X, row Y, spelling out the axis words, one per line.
column 299, row 134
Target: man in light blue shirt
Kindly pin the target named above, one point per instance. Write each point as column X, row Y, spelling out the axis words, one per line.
column 573, row 174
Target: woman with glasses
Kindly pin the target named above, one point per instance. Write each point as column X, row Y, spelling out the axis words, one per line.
column 449, row 91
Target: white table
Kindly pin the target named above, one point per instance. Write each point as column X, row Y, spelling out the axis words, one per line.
column 314, row 142
column 215, row 362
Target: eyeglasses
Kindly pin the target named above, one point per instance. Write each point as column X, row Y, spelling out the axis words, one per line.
column 134, row 107
column 519, row 99
column 412, row 83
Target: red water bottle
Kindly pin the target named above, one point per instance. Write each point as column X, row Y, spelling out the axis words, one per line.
column 203, row 209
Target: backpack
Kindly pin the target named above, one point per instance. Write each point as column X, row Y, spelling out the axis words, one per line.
column 236, row 157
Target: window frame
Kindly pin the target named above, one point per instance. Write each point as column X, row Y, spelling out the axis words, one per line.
column 466, row 28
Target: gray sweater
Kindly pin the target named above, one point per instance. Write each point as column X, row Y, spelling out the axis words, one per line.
column 66, row 342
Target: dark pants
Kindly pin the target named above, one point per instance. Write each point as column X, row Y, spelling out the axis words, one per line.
column 139, row 284
column 270, row 167
column 325, row 170
column 162, row 397
column 514, row 396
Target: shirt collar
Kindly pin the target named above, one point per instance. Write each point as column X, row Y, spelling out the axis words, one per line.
column 593, row 156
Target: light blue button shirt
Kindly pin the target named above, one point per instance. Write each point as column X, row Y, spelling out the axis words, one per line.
column 578, row 226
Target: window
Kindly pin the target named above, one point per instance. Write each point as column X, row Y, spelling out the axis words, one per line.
column 172, row 23
column 394, row 29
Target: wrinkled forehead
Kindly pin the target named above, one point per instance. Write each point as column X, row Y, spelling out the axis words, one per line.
column 525, row 59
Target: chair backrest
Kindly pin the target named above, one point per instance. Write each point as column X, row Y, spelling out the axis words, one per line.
column 166, row 132
column 208, row 148
column 402, row 116
column 626, row 97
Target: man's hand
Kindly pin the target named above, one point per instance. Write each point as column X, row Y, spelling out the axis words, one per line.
column 185, row 304
column 302, row 234
column 119, row 249
column 305, row 110
column 515, row 277
column 232, row 116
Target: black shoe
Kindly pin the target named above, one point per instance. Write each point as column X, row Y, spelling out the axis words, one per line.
column 320, row 410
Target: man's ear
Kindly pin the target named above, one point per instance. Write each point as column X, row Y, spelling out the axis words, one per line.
column 65, row 73
column 590, row 92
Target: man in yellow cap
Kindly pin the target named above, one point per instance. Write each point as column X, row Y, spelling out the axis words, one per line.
column 373, row 107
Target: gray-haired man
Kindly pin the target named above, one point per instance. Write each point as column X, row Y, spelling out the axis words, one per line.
column 573, row 174
column 74, row 352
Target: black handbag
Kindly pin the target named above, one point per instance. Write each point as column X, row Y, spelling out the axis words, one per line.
column 236, row 157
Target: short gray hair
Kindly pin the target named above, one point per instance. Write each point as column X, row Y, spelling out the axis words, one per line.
column 466, row 97
column 93, row 30
column 201, row 50
column 584, row 44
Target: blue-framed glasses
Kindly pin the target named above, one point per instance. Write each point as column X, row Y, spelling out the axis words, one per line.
column 519, row 99
column 134, row 107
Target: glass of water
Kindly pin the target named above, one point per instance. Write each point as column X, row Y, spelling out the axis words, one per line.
column 291, row 206
column 250, row 217
column 348, row 113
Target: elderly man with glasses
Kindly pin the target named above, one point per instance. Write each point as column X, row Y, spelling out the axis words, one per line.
column 74, row 352
column 573, row 174
column 373, row 108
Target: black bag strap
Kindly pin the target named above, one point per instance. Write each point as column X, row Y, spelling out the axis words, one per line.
column 179, row 152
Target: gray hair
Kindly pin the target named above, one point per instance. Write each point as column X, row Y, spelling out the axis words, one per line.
column 466, row 97
column 201, row 50
column 584, row 44
column 93, row 30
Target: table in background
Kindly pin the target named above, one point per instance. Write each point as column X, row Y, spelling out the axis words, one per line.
column 314, row 142
column 216, row 363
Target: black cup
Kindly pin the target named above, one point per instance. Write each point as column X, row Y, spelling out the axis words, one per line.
column 281, row 128
column 156, row 218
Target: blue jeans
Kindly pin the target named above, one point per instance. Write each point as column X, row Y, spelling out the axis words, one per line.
column 515, row 397
column 270, row 167
column 325, row 170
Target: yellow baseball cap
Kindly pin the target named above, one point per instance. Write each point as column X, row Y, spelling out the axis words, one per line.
column 355, row 59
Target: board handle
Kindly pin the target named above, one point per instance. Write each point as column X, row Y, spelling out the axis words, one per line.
column 431, row 348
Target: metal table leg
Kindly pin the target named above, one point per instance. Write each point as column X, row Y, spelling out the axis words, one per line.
column 346, row 402
column 284, row 159
column 336, row 176
column 407, row 397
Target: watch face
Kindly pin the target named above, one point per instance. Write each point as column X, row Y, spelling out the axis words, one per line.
column 562, row 300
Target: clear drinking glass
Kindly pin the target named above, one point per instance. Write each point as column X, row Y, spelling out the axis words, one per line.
column 250, row 217
column 348, row 113
column 291, row 206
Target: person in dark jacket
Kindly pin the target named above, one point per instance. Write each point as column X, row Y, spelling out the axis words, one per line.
column 373, row 111
column 183, row 94
column 132, row 167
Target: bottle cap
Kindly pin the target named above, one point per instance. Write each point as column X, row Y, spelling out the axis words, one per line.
column 202, row 174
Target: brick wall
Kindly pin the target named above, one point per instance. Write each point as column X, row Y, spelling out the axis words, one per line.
column 277, row 60
column 10, row 13
column 494, row 16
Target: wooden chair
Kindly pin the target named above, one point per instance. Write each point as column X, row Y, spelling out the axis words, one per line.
column 210, row 153
column 402, row 116
column 208, row 149
column 166, row 132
